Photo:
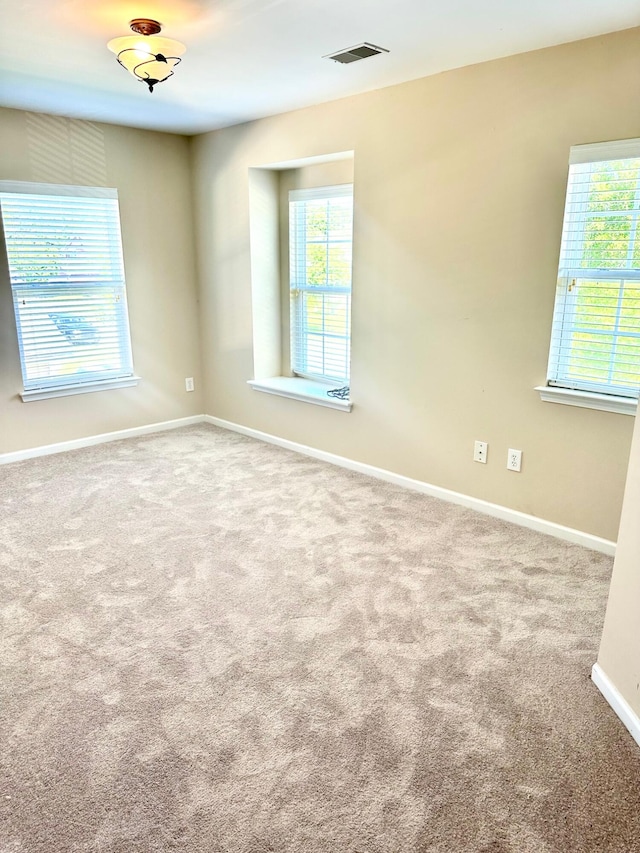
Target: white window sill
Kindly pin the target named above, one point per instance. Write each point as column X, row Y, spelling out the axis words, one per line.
column 305, row 390
column 588, row 400
column 80, row 388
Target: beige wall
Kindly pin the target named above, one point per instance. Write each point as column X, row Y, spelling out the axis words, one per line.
column 619, row 655
column 152, row 174
column 459, row 194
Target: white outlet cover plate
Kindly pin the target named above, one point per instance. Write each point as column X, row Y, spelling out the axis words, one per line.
column 514, row 460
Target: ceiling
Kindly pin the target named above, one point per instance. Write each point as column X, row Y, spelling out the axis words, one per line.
column 251, row 58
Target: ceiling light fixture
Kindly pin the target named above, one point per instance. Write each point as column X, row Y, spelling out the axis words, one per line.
column 147, row 56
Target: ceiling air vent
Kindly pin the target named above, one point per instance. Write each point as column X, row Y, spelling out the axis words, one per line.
column 353, row 54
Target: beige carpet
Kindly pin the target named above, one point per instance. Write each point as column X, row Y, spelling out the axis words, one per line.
column 211, row 645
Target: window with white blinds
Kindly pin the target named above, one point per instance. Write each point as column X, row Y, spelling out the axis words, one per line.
column 320, row 241
column 595, row 343
column 64, row 253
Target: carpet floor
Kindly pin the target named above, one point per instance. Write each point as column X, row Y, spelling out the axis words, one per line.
column 212, row 645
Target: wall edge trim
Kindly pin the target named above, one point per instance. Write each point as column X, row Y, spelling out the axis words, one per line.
column 102, row 438
column 616, row 700
column 532, row 522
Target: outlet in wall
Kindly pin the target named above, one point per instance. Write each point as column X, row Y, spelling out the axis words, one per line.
column 514, row 459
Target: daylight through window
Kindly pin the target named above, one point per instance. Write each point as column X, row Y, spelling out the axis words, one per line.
column 320, row 235
column 67, row 277
column 595, row 343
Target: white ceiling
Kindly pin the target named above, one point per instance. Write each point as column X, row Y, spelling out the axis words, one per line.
column 251, row 58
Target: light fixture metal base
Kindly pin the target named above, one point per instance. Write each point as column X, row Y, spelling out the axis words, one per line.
column 145, row 26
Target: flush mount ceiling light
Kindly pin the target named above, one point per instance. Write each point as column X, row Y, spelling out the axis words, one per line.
column 149, row 57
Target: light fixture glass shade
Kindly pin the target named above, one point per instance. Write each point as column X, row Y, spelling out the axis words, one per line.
column 149, row 58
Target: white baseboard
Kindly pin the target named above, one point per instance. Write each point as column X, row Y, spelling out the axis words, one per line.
column 88, row 441
column 619, row 704
column 578, row 537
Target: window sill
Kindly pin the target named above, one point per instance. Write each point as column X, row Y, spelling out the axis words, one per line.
column 296, row 388
column 80, row 388
column 588, row 400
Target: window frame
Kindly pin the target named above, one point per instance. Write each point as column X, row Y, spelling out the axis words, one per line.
column 298, row 285
column 561, row 387
column 74, row 289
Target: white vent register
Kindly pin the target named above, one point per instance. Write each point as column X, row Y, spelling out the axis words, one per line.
column 353, row 54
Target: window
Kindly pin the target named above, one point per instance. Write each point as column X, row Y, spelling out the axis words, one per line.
column 595, row 343
column 67, row 277
column 320, row 240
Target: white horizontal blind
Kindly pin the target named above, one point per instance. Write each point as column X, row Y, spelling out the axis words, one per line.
column 320, row 241
column 595, row 344
column 67, row 277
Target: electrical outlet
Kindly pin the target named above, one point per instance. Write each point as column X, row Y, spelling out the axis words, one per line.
column 514, row 460
column 480, row 450
column 188, row 384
